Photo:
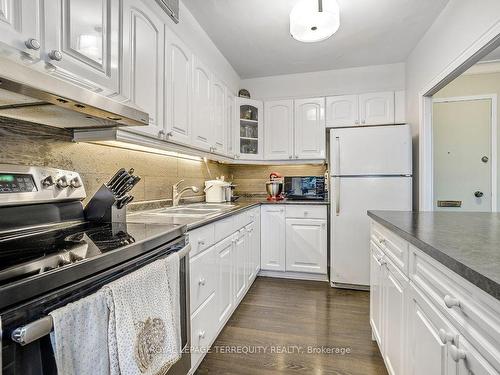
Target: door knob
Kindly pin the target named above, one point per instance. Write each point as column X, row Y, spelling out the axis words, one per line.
column 485, row 159
column 32, row 44
column 478, row 194
column 55, row 55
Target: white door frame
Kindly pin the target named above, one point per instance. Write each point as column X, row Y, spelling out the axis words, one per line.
column 488, row 42
column 493, row 140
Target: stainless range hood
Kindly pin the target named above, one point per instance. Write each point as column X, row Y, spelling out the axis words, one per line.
column 34, row 96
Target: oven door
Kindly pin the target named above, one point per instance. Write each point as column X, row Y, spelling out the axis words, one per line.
column 32, row 353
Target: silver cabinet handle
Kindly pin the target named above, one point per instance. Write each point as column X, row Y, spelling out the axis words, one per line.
column 356, row 122
column 290, row 157
column 201, row 334
column 363, row 122
column 456, row 353
column 202, row 281
column 169, row 134
column 446, row 337
column 161, row 134
column 201, row 242
column 55, row 55
column 296, row 156
column 33, row 44
column 451, row 302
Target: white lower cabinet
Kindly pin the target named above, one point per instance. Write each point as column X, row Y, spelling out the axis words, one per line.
column 273, row 238
column 306, row 245
column 222, row 269
column 416, row 332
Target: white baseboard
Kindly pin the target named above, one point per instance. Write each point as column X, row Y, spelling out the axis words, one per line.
column 293, row 275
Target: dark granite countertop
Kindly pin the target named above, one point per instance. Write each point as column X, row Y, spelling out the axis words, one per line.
column 155, row 216
column 468, row 243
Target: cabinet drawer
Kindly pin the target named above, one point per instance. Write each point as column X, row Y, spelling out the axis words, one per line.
column 202, row 238
column 203, row 329
column 306, row 212
column 224, row 228
column 393, row 246
column 202, row 276
column 475, row 314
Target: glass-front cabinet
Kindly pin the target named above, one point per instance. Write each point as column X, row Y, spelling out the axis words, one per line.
column 249, row 132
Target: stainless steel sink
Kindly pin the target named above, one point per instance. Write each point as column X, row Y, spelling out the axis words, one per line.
column 211, row 205
column 191, row 211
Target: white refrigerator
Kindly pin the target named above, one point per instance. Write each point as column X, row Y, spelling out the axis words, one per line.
column 370, row 169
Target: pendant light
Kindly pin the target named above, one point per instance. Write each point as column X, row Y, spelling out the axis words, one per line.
column 314, row 20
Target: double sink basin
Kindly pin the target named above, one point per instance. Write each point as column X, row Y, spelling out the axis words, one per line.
column 195, row 210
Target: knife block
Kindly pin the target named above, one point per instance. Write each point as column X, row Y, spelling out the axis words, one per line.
column 103, row 207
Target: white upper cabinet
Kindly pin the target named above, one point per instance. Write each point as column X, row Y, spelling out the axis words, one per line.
column 250, row 128
column 202, row 106
column 20, row 27
column 376, row 108
column 82, row 42
column 177, row 109
column 230, row 115
column 219, row 116
column 278, row 129
column 310, row 138
column 143, row 51
column 342, row 111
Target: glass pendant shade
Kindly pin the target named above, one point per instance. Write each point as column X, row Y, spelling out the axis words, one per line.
column 309, row 23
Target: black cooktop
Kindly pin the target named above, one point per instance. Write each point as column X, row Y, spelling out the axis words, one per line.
column 35, row 251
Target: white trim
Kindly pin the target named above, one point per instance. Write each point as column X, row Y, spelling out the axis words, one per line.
column 493, row 135
column 293, row 275
column 480, row 48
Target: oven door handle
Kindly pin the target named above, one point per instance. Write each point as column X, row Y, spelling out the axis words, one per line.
column 33, row 331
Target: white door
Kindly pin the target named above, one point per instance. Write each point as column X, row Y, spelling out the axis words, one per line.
column 143, row 77
column 310, row 141
column 306, row 245
column 278, row 130
column 394, row 313
column 249, row 131
column 202, row 106
column 383, row 150
column 427, row 353
column 376, row 294
column 240, row 256
column 376, row 108
column 20, row 26
column 224, row 291
column 352, row 197
column 178, row 69
column 230, row 114
column 462, row 154
column 83, row 41
column 219, row 113
column 342, row 111
column 272, row 256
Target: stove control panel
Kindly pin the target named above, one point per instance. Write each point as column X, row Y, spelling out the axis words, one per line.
column 27, row 185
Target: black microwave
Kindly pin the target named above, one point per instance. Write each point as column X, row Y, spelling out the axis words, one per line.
column 305, row 188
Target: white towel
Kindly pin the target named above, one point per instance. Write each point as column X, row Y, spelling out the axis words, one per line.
column 80, row 336
column 144, row 328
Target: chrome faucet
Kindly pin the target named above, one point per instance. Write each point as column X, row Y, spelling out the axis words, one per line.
column 176, row 194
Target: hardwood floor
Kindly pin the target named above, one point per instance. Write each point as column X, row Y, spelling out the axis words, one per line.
column 280, row 321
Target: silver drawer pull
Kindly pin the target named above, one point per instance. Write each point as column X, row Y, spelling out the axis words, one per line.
column 201, row 335
column 201, row 242
column 451, row 302
column 202, row 281
column 446, row 337
column 456, row 353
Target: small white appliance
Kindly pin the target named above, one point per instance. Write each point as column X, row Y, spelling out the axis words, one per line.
column 370, row 169
column 215, row 191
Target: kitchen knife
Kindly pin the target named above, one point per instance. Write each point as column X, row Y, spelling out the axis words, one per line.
column 115, row 177
column 124, row 201
column 119, row 182
column 128, row 186
column 120, row 187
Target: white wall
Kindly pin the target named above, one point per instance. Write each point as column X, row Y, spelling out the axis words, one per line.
column 457, row 27
column 328, row 82
column 191, row 33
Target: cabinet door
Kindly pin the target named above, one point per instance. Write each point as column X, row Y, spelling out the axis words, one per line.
column 19, row 24
column 82, row 42
column 376, row 294
column 471, row 362
column 278, row 130
column 342, row 111
column 427, row 354
column 202, row 106
column 178, row 69
column 257, row 241
column 306, row 245
column 249, row 133
column 250, row 267
column 143, row 63
column 230, row 114
column 377, row 108
column 240, row 255
column 224, row 291
column 272, row 238
column 219, row 110
column 394, row 314
column 310, row 131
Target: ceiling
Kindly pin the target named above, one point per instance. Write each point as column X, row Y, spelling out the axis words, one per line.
column 254, row 34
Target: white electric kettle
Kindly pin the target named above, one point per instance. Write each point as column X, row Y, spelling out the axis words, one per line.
column 215, row 191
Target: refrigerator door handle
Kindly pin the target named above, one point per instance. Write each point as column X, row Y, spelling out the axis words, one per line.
column 337, row 195
column 337, row 155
